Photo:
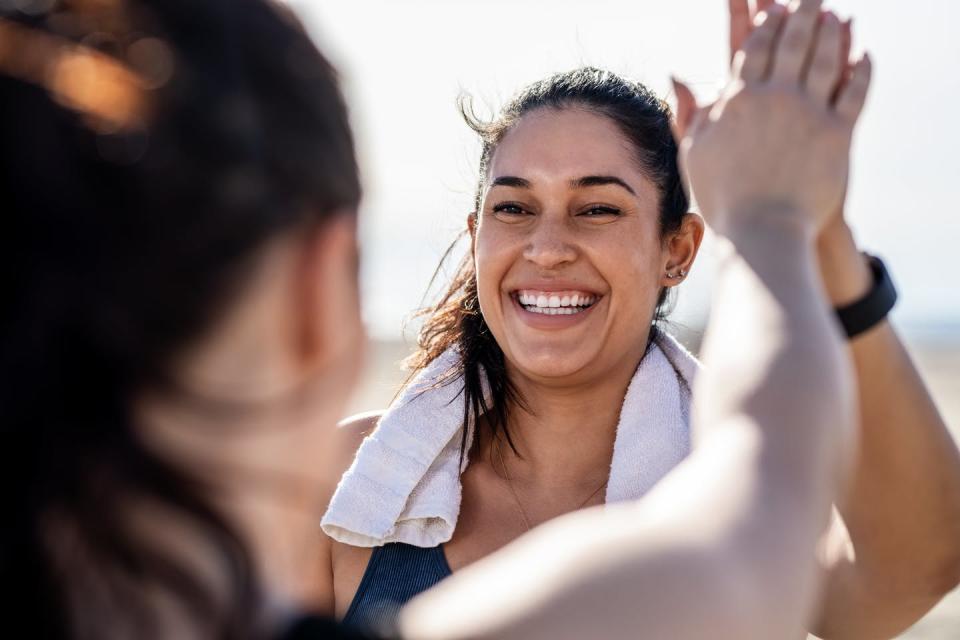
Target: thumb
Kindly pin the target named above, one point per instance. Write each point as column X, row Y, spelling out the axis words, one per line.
column 686, row 109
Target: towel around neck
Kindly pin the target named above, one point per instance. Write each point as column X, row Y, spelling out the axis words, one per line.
column 404, row 483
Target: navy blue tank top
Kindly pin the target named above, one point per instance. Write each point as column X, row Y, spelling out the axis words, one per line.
column 395, row 574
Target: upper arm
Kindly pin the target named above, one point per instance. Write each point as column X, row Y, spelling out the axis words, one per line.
column 349, row 435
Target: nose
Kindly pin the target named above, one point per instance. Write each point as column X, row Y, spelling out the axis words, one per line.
column 549, row 245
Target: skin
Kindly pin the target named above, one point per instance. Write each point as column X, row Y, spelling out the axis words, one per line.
column 602, row 240
column 287, row 360
column 896, row 551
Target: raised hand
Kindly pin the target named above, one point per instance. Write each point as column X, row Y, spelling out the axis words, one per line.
column 778, row 139
column 742, row 20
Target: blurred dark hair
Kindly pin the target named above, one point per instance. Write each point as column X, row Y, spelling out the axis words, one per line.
column 148, row 149
column 456, row 320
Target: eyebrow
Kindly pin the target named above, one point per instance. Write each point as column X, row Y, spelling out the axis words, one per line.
column 599, row 181
column 577, row 183
column 510, row 181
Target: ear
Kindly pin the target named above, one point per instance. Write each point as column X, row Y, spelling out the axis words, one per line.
column 472, row 229
column 680, row 250
column 326, row 303
column 472, row 224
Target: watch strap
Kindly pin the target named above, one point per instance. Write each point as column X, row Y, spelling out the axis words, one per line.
column 862, row 315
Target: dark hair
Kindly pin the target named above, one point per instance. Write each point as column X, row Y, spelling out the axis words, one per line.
column 456, row 320
column 148, row 149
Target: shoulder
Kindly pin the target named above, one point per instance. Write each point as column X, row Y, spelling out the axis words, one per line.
column 350, row 434
column 345, row 564
column 364, row 422
column 343, row 446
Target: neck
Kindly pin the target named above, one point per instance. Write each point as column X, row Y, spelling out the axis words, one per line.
column 565, row 436
column 279, row 523
column 269, row 491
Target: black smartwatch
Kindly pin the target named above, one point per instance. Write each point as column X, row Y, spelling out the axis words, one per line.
column 869, row 310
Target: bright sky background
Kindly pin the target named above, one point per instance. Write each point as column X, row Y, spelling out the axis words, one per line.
column 404, row 63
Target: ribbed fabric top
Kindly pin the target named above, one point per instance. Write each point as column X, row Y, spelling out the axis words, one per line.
column 395, row 574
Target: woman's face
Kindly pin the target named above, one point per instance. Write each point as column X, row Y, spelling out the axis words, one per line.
column 568, row 250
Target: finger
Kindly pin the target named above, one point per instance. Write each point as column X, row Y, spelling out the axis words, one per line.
column 763, row 5
column 826, row 65
column 796, row 42
column 846, row 44
column 740, row 25
column 752, row 63
column 851, row 99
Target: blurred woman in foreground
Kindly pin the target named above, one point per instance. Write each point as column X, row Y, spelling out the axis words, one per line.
column 181, row 327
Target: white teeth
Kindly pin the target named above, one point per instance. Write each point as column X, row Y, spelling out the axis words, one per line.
column 556, row 311
column 555, row 304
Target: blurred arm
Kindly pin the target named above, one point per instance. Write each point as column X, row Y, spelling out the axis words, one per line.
column 724, row 546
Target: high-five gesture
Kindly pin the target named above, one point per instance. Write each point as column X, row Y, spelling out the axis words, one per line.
column 777, row 141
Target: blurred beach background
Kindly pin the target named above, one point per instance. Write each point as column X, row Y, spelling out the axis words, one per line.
column 404, row 64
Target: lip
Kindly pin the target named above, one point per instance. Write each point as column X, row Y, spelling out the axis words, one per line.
column 552, row 285
column 548, row 322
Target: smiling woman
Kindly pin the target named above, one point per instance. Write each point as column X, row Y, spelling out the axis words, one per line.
column 542, row 377
column 582, row 220
column 580, row 231
column 579, row 193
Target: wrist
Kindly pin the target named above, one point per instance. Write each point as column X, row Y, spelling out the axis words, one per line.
column 768, row 247
column 767, row 221
column 872, row 308
column 844, row 270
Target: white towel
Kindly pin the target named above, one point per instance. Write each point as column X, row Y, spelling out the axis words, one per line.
column 404, row 484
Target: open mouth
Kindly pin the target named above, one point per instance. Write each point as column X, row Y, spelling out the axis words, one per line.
column 555, row 303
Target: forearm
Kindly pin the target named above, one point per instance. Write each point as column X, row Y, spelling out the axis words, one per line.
column 903, row 508
column 903, row 511
column 778, row 362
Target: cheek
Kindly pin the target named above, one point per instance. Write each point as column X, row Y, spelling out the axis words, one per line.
column 632, row 270
column 493, row 256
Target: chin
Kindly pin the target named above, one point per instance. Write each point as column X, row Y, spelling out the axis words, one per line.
column 549, row 361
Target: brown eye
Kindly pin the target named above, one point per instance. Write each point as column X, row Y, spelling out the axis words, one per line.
column 509, row 209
